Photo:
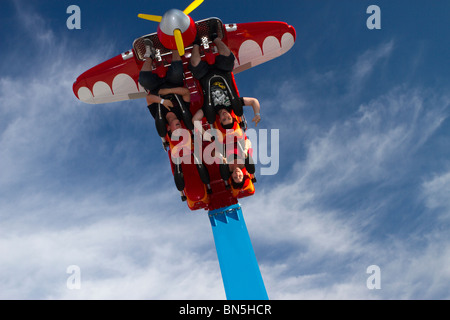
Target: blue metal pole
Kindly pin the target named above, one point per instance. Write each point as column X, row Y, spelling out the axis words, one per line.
column 240, row 271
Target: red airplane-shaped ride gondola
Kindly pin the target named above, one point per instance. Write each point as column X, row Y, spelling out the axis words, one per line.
column 117, row 80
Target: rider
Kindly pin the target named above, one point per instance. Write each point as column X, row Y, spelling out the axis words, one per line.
column 163, row 99
column 236, row 158
column 217, row 90
column 239, row 163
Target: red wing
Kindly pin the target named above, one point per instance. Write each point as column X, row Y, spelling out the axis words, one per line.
column 257, row 42
column 113, row 80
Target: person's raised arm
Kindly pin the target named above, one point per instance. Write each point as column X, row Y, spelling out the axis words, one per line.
column 182, row 91
column 254, row 103
column 151, row 98
column 197, row 121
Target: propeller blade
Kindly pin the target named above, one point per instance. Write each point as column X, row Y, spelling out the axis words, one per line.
column 179, row 41
column 192, row 6
column 150, row 17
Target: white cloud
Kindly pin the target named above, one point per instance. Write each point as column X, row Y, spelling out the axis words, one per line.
column 320, row 227
column 130, row 238
column 436, row 191
column 126, row 252
column 367, row 61
column 368, row 146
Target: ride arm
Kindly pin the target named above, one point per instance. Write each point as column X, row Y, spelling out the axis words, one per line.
column 254, row 103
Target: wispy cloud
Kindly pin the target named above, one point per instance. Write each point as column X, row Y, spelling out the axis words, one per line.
column 436, row 191
column 125, row 252
column 366, row 62
column 358, row 177
column 90, row 187
column 352, row 195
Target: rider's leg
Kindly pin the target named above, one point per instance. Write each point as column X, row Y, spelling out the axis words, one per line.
column 222, row 47
column 195, row 55
column 175, row 73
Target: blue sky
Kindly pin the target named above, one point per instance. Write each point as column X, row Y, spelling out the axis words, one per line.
column 364, row 158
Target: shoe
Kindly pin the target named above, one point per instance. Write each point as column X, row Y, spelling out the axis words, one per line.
column 213, row 35
column 198, row 39
column 150, row 51
column 215, row 29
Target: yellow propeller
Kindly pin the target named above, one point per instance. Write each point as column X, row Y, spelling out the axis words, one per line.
column 150, row 17
column 192, row 6
column 177, row 32
column 179, row 41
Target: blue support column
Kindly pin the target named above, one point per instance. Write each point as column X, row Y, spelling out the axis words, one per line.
column 240, row 271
